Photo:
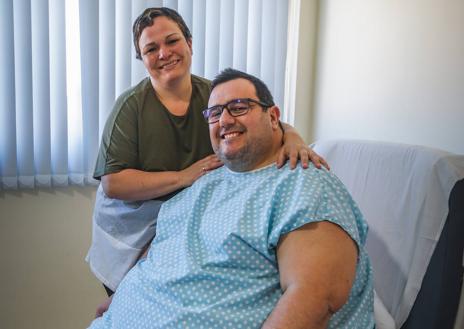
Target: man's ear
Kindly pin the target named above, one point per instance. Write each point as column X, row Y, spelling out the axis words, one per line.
column 274, row 113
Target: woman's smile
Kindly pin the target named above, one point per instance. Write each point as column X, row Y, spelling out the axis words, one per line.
column 169, row 65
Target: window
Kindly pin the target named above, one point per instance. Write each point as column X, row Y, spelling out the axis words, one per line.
column 63, row 63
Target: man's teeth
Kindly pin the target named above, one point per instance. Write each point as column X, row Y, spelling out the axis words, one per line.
column 230, row 135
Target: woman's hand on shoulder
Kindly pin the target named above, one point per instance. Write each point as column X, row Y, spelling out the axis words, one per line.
column 294, row 148
column 299, row 151
column 190, row 174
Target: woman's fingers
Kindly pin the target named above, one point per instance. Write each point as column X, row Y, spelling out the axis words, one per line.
column 300, row 152
column 318, row 160
column 210, row 162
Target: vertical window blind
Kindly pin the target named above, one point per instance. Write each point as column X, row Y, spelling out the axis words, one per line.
column 63, row 63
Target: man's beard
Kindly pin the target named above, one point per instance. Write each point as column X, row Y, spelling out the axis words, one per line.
column 238, row 161
column 243, row 159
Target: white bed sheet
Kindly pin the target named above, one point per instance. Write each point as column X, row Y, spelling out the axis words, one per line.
column 383, row 319
column 403, row 192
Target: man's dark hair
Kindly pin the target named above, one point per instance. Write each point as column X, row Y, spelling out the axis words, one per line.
column 148, row 17
column 262, row 91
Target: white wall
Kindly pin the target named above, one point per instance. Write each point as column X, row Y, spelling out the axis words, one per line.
column 391, row 70
column 301, row 63
column 44, row 237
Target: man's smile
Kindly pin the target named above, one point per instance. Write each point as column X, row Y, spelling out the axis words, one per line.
column 230, row 135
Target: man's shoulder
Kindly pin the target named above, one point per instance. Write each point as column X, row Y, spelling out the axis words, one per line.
column 211, row 180
column 272, row 173
column 309, row 182
column 301, row 174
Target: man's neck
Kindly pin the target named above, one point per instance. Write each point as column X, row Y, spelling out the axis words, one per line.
column 246, row 166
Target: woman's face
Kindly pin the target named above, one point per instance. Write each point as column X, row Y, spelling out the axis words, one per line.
column 166, row 54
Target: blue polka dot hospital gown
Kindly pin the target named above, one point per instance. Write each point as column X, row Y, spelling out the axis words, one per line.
column 213, row 261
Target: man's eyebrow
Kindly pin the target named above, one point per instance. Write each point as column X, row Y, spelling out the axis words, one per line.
column 226, row 103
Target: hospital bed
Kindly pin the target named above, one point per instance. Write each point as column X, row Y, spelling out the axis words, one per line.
column 413, row 200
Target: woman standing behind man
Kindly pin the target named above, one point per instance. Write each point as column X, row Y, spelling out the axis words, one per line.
column 155, row 143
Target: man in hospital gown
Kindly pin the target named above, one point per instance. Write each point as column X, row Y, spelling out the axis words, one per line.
column 248, row 245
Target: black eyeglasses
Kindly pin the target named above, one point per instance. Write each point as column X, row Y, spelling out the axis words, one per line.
column 235, row 107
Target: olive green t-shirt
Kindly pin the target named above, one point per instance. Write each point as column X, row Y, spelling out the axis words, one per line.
column 141, row 133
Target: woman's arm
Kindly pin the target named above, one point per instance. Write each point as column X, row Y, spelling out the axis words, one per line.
column 133, row 184
column 295, row 148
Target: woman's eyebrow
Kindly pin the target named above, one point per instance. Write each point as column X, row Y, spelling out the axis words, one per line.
column 150, row 44
column 172, row 34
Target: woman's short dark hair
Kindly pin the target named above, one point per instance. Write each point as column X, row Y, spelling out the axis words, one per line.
column 148, row 17
column 262, row 91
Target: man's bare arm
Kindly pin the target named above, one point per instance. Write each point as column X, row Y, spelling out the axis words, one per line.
column 317, row 265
